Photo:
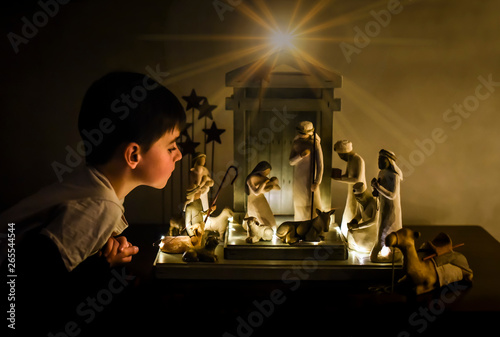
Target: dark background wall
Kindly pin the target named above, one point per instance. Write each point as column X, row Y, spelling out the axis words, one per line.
column 398, row 91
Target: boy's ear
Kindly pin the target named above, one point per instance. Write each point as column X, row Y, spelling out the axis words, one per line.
column 132, row 155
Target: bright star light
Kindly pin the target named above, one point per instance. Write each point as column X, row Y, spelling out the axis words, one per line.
column 282, row 40
column 274, row 35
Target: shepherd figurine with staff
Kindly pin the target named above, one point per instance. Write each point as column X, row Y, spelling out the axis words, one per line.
column 307, row 158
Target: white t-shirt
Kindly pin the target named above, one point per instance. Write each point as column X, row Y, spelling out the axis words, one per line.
column 78, row 215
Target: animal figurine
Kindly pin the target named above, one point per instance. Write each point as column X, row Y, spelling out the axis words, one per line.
column 434, row 266
column 256, row 231
column 177, row 225
column 307, row 230
column 177, row 244
column 205, row 252
column 219, row 223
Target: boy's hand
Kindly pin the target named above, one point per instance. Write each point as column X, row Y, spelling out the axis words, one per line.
column 119, row 251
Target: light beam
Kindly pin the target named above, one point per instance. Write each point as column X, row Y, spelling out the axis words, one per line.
column 282, row 40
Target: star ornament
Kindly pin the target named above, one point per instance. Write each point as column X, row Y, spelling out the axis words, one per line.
column 193, row 100
column 213, row 134
column 184, row 131
column 206, row 110
column 188, row 146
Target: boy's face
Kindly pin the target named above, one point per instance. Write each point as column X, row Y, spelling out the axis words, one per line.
column 158, row 163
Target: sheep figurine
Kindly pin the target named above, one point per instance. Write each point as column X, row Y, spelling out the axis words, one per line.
column 219, row 223
column 256, row 231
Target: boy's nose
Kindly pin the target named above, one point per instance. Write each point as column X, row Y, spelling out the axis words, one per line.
column 178, row 156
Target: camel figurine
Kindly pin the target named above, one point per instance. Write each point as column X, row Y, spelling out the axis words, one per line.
column 307, row 230
column 435, row 265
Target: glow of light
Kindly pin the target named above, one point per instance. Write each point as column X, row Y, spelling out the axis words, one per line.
column 360, row 257
column 282, row 40
column 385, row 251
column 295, row 33
column 275, row 237
column 161, row 244
column 311, row 14
column 230, row 219
column 162, row 237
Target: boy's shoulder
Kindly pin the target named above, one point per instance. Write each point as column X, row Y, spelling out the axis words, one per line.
column 85, row 187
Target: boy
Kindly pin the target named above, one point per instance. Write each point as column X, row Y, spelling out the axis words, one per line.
column 129, row 125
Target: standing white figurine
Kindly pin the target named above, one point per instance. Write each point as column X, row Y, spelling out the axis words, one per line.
column 199, row 181
column 308, row 173
column 354, row 173
column 363, row 228
column 257, row 184
column 196, row 203
column 387, row 188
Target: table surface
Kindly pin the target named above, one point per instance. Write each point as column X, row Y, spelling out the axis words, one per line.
column 351, row 306
column 357, row 266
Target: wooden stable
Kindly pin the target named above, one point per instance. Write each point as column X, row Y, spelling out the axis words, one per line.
column 270, row 97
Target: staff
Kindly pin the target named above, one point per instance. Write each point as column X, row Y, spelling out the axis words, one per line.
column 220, row 187
column 313, row 173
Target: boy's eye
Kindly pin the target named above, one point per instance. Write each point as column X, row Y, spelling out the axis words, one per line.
column 173, row 148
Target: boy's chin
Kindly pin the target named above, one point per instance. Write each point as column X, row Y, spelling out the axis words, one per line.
column 160, row 185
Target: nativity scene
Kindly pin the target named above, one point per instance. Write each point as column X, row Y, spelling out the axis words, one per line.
column 283, row 209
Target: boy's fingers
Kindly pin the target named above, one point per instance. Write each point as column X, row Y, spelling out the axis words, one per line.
column 129, row 251
column 124, row 243
column 108, row 247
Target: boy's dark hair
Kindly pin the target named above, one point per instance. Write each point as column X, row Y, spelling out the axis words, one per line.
column 124, row 107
